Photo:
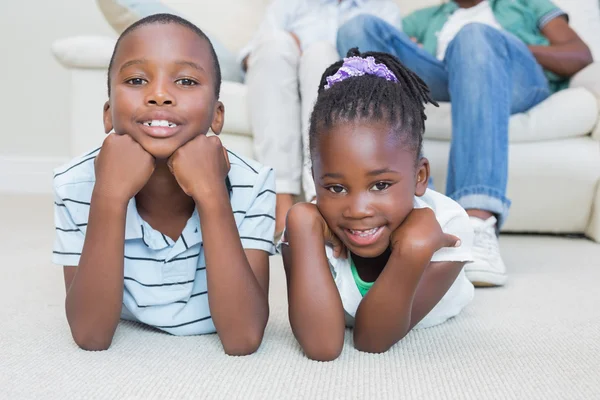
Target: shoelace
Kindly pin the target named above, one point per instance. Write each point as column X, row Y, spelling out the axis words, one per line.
column 485, row 236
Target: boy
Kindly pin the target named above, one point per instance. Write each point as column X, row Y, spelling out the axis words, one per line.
column 128, row 214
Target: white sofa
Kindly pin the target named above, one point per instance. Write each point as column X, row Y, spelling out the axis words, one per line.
column 554, row 173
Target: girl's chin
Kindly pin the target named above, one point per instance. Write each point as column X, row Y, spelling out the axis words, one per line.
column 369, row 252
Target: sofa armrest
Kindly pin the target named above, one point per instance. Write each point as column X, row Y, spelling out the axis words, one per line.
column 84, row 52
column 589, row 78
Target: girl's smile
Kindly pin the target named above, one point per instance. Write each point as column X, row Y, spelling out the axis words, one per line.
column 366, row 181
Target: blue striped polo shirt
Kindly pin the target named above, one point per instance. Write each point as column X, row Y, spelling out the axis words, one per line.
column 165, row 280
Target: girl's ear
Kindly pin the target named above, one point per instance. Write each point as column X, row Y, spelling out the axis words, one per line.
column 218, row 118
column 107, row 117
column 422, row 177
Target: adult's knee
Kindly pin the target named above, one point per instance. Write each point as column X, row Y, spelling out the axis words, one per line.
column 279, row 44
column 355, row 31
column 476, row 42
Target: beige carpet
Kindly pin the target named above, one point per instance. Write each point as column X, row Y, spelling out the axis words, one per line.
column 538, row 338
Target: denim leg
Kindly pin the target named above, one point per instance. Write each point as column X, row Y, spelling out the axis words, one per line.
column 491, row 75
column 370, row 33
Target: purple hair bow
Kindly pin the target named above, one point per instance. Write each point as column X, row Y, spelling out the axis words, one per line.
column 359, row 66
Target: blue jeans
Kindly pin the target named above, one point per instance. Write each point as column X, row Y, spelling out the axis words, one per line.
column 488, row 75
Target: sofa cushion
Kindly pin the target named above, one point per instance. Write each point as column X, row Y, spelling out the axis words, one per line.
column 235, row 99
column 122, row 13
column 232, row 22
column 566, row 114
column 84, row 51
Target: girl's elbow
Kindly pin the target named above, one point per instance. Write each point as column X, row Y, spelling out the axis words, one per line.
column 323, row 353
column 368, row 344
column 323, row 349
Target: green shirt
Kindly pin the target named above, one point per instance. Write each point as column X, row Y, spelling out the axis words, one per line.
column 363, row 287
column 523, row 18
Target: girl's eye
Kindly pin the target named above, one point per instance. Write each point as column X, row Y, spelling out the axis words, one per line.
column 136, row 81
column 337, row 189
column 186, row 82
column 380, row 186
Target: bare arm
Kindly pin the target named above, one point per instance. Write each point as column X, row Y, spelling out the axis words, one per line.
column 399, row 299
column 95, row 287
column 315, row 308
column 567, row 54
column 238, row 281
column 408, row 287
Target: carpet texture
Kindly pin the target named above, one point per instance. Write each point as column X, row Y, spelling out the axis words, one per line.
column 537, row 338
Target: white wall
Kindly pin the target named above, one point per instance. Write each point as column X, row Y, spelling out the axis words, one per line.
column 34, row 103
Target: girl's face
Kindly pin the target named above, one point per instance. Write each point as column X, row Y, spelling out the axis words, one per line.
column 366, row 181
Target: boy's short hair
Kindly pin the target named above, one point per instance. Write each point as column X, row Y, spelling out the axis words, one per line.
column 169, row 19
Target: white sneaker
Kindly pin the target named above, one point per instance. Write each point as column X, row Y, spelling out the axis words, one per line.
column 487, row 269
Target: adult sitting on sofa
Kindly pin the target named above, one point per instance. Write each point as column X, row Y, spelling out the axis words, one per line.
column 491, row 58
column 294, row 44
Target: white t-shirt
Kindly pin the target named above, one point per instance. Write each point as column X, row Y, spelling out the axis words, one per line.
column 318, row 20
column 454, row 220
column 481, row 13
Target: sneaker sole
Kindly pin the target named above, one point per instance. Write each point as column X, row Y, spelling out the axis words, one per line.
column 486, row 278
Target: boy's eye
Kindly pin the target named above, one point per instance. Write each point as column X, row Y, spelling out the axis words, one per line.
column 136, row 81
column 186, row 82
column 380, row 186
column 337, row 189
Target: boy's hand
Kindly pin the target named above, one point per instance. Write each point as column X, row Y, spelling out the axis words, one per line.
column 309, row 213
column 122, row 167
column 420, row 235
column 200, row 166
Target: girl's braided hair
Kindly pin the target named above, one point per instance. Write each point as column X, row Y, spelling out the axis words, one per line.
column 370, row 98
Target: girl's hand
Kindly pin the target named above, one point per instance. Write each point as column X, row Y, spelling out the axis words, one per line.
column 420, row 235
column 122, row 167
column 200, row 165
column 308, row 213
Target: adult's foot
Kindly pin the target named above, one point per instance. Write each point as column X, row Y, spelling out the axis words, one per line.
column 487, row 268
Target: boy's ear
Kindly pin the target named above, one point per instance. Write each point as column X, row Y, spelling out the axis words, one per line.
column 422, row 177
column 218, row 118
column 107, row 117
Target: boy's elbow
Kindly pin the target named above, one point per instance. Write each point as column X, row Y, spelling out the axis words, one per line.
column 242, row 345
column 89, row 338
column 91, row 342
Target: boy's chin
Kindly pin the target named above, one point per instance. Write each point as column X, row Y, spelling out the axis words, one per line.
column 160, row 153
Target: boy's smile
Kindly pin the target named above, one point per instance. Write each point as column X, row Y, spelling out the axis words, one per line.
column 163, row 89
column 366, row 182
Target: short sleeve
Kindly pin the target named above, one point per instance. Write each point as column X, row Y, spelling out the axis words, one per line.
column 258, row 226
column 459, row 226
column 415, row 24
column 69, row 237
column 545, row 11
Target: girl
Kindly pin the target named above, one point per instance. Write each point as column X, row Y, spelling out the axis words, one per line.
column 378, row 251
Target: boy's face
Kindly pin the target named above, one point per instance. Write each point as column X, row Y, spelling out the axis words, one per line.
column 366, row 181
column 162, row 89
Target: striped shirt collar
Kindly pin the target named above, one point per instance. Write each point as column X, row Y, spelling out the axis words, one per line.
column 137, row 228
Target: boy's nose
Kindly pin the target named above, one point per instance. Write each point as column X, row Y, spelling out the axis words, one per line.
column 159, row 95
